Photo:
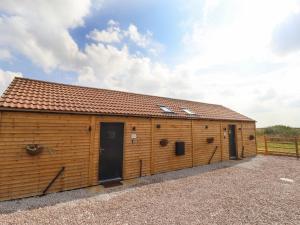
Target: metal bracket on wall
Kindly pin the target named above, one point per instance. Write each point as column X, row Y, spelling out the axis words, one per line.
column 213, row 154
column 141, row 168
column 53, row 180
column 242, row 153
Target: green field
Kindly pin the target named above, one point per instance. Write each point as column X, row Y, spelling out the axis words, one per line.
column 280, row 139
column 279, row 145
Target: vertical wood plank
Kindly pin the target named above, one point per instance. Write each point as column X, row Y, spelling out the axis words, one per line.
column 151, row 149
column 0, row 120
column 297, row 150
column 236, row 140
column 266, row 145
column 221, row 141
column 243, row 147
column 126, row 133
column 255, row 138
column 92, row 149
column 192, row 137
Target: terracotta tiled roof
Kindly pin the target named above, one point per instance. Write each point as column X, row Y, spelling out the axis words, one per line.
column 33, row 95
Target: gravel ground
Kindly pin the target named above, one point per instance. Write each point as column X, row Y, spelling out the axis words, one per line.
column 260, row 190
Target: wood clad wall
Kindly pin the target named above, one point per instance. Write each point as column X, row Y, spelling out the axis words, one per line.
column 73, row 141
column 203, row 150
column 66, row 142
column 249, row 145
column 164, row 158
column 133, row 152
column 225, row 139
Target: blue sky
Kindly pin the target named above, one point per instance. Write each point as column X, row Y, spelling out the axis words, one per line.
column 162, row 18
column 241, row 54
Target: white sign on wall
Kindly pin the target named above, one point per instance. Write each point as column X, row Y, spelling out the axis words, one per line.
column 133, row 138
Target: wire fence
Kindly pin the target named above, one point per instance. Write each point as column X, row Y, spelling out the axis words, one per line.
column 269, row 145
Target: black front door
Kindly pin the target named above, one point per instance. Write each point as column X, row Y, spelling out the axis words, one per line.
column 111, row 151
column 232, row 142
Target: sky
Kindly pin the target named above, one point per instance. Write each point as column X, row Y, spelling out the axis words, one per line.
column 244, row 55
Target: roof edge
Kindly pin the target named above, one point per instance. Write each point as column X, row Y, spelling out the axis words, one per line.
column 8, row 87
column 238, row 113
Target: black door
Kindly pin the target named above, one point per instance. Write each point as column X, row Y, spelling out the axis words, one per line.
column 232, row 142
column 111, row 151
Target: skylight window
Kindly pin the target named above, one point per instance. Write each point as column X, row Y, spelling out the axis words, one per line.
column 165, row 109
column 188, row 111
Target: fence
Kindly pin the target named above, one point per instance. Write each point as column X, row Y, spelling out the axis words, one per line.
column 278, row 146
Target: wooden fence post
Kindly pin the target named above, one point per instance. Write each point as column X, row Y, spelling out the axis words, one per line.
column 266, row 145
column 297, row 151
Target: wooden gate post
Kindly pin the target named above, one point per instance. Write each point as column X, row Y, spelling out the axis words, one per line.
column 266, row 145
column 297, row 151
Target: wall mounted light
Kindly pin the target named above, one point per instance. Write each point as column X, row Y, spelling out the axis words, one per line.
column 133, row 138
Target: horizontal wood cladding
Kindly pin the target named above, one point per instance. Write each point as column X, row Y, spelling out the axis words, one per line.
column 73, row 141
column 133, row 151
column 65, row 140
column 225, row 139
column 243, row 130
column 203, row 151
column 164, row 158
column 249, row 145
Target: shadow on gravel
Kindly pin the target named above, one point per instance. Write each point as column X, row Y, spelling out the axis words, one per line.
column 67, row 196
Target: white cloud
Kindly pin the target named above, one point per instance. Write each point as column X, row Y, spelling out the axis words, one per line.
column 5, row 55
column 245, row 32
column 136, row 37
column 111, row 35
column 114, row 34
column 110, row 67
column 230, row 50
column 42, row 34
column 228, row 57
column 143, row 40
column 286, row 35
column 6, row 77
column 44, row 38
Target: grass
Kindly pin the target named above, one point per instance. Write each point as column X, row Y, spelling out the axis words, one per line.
column 279, row 145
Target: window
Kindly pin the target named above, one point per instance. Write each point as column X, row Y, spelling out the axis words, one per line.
column 165, row 109
column 188, row 111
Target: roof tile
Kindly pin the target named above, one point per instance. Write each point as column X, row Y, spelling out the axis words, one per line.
column 33, row 95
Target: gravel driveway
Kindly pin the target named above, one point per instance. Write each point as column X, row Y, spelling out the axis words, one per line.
column 260, row 190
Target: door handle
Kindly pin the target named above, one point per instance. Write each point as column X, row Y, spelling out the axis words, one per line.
column 101, row 149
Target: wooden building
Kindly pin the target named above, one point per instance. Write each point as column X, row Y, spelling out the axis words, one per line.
column 95, row 135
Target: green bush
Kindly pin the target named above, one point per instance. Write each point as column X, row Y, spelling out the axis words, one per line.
column 279, row 130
